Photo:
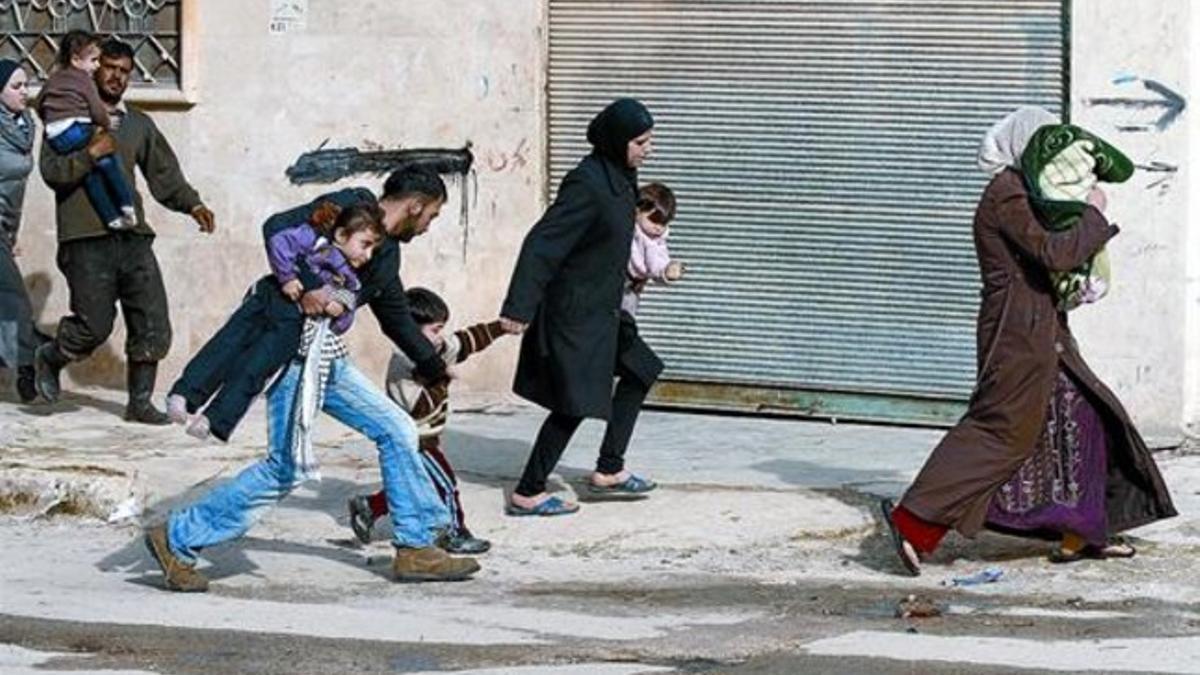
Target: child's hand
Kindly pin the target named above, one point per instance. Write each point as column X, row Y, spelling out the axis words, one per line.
column 334, row 309
column 512, row 326
column 293, row 290
column 1098, row 199
column 102, row 144
column 674, row 271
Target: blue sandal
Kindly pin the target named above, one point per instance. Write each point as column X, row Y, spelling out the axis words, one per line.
column 634, row 485
column 554, row 506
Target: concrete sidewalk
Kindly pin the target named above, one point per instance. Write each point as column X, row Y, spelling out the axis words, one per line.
column 91, row 461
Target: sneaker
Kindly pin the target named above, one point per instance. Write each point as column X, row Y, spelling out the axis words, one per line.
column 362, row 519
column 463, row 543
column 177, row 409
column 177, row 575
column 118, row 224
column 199, row 428
column 431, row 564
column 129, row 217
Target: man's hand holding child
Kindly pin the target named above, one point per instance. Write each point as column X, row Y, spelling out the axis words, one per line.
column 313, row 302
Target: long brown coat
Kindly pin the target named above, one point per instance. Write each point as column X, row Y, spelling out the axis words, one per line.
column 1022, row 341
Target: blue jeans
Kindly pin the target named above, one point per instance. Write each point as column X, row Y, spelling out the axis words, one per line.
column 229, row 510
column 105, row 185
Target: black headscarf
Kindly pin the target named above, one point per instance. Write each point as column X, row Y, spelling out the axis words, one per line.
column 610, row 132
column 7, row 68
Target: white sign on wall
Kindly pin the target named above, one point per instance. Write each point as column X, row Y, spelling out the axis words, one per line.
column 287, row 16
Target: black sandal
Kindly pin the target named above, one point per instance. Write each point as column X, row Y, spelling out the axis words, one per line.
column 898, row 541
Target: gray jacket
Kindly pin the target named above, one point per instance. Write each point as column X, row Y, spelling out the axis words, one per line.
column 16, row 161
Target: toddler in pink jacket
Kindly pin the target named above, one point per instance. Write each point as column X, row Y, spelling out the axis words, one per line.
column 649, row 258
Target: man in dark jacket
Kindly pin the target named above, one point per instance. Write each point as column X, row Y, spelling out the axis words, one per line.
column 104, row 267
column 411, row 200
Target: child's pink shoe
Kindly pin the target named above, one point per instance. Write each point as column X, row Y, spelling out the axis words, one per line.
column 199, row 428
column 177, row 409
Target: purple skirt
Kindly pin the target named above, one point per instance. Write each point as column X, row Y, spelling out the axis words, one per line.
column 1061, row 487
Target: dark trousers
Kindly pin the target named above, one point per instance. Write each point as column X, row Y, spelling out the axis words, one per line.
column 558, row 428
column 101, row 272
column 105, row 185
column 233, row 367
column 17, row 340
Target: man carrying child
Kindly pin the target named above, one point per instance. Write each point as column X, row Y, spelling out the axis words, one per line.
column 104, row 266
column 411, row 200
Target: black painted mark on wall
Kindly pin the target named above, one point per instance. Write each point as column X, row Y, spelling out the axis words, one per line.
column 1172, row 103
column 331, row 165
column 1168, row 172
column 1157, row 167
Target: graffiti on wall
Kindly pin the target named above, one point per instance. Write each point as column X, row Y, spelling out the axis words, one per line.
column 1144, row 106
column 329, row 165
column 1154, row 109
column 1166, row 172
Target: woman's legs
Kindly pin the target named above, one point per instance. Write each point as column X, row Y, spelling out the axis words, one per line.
column 627, row 404
column 1061, row 487
column 922, row 534
column 17, row 332
column 556, row 432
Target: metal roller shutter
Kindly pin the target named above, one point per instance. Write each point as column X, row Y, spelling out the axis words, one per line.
column 824, row 158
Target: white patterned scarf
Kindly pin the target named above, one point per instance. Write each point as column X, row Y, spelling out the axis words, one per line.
column 319, row 347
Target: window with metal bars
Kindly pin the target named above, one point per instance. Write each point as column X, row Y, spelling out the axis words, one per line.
column 30, row 32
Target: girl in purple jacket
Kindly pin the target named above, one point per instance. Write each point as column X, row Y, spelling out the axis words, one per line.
column 333, row 244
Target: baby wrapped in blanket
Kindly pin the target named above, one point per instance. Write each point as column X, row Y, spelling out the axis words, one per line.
column 1062, row 164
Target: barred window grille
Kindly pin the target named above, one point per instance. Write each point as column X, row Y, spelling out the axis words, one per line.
column 32, row 29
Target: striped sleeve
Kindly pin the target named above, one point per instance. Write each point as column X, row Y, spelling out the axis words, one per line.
column 476, row 338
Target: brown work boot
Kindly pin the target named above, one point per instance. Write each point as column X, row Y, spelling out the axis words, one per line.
column 177, row 575
column 431, row 564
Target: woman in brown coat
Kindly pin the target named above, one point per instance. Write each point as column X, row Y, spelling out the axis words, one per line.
column 1044, row 449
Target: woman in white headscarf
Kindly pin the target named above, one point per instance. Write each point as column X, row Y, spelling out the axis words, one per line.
column 1044, row 449
column 16, row 161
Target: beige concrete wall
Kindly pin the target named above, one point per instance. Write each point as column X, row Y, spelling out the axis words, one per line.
column 1136, row 339
column 423, row 73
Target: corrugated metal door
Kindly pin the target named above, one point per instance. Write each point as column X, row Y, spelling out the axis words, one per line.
column 823, row 154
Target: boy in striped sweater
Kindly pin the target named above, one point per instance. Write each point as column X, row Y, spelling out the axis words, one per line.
column 429, row 407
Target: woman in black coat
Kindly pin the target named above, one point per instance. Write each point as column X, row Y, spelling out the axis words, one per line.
column 566, row 290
